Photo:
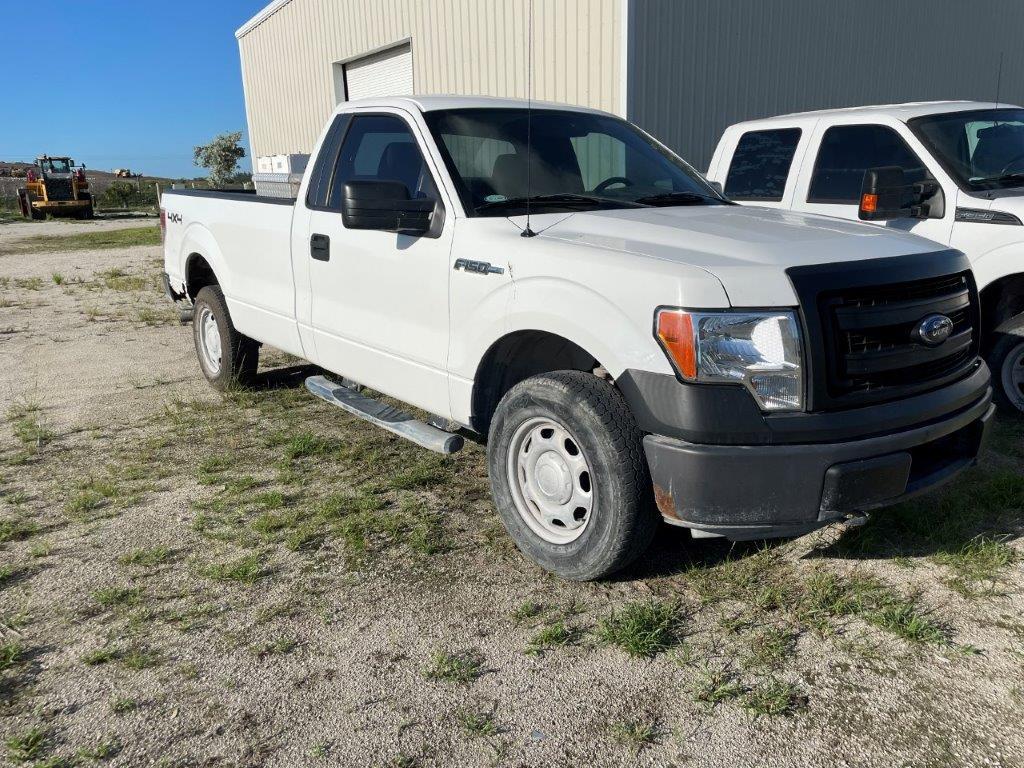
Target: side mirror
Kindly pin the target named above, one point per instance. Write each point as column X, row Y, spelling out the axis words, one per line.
column 385, row 206
column 717, row 186
column 885, row 195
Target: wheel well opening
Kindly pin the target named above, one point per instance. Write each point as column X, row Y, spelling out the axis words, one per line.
column 519, row 356
column 198, row 275
column 1000, row 301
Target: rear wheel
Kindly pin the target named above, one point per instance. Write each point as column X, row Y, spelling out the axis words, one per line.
column 1006, row 359
column 568, row 475
column 226, row 357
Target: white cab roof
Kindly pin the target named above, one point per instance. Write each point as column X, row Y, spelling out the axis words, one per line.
column 902, row 112
column 434, row 103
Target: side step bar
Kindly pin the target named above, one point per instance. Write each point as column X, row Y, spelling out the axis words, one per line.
column 384, row 416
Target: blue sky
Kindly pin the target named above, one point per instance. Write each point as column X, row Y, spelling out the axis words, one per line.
column 122, row 83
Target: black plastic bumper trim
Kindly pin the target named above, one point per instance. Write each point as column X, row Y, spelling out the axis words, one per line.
column 721, row 414
column 761, row 491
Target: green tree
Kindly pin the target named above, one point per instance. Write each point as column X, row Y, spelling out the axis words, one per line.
column 220, row 157
column 119, row 194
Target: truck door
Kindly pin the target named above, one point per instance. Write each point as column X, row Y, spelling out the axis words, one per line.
column 831, row 177
column 379, row 300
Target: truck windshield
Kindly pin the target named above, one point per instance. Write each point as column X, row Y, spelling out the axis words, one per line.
column 56, row 165
column 981, row 149
column 577, row 161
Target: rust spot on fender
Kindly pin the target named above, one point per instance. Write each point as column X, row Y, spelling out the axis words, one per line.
column 666, row 503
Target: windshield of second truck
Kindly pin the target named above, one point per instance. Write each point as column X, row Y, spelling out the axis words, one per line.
column 981, row 149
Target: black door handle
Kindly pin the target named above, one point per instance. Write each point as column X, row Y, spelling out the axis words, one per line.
column 320, row 247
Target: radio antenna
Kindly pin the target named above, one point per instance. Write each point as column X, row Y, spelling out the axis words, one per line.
column 529, row 118
column 999, row 77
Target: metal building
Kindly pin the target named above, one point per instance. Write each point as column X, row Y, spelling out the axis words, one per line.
column 682, row 69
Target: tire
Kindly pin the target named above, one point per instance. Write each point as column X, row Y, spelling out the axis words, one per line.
column 588, row 415
column 226, row 357
column 1006, row 361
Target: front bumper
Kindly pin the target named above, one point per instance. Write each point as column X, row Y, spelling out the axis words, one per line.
column 763, row 491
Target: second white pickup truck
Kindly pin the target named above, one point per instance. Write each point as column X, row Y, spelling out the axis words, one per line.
column 627, row 341
column 953, row 171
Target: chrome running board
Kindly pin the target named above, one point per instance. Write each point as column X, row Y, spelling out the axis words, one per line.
column 384, row 416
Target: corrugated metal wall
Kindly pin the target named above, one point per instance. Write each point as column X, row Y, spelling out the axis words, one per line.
column 696, row 66
column 458, row 46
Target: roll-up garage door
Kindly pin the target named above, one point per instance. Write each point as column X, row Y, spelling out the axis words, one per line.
column 388, row 73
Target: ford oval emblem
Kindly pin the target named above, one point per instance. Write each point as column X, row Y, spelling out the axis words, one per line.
column 933, row 330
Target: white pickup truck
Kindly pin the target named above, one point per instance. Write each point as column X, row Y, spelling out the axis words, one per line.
column 954, row 171
column 628, row 341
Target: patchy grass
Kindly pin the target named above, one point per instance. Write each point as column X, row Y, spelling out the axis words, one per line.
column 635, row 733
column 17, row 529
column 99, row 656
column 30, row 426
column 279, row 647
column 964, row 528
column 11, row 652
column 477, row 725
column 27, row 746
column 462, row 667
column 140, row 657
column 117, row 597
column 552, row 636
column 122, row 705
column 92, row 496
column 643, row 628
column 100, row 239
column 147, row 557
column 244, row 570
column 773, row 697
column 104, row 749
column 714, row 685
column 527, row 611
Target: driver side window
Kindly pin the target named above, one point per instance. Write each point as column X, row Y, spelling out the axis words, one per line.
column 381, row 148
column 848, row 150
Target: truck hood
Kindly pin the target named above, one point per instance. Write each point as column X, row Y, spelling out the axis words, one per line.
column 748, row 249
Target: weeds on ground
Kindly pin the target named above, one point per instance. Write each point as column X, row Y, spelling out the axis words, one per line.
column 244, row 570
column 635, row 733
column 463, row 666
column 27, row 746
column 552, row 636
column 147, row 557
column 11, row 652
column 773, row 697
column 477, row 725
column 643, row 628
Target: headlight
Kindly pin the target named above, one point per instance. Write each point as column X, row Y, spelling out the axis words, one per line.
column 761, row 350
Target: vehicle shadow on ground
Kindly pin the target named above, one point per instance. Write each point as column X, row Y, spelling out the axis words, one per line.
column 291, row 377
column 674, row 551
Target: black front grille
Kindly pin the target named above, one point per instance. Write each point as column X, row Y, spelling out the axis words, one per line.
column 861, row 334
column 59, row 189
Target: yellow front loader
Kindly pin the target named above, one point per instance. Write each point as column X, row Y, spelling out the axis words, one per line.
column 57, row 189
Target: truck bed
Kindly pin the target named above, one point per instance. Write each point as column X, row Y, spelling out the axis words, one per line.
column 243, row 195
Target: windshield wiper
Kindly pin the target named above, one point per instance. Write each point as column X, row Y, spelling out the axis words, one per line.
column 679, row 198
column 1019, row 176
column 563, row 198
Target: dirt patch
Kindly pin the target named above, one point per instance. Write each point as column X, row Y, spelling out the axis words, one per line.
column 256, row 579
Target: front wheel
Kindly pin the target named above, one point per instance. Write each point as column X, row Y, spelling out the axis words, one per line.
column 568, row 474
column 1006, row 360
column 226, row 357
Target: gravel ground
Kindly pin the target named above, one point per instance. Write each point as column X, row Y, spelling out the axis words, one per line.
column 192, row 579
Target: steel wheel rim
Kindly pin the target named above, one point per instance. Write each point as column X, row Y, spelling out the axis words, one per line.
column 209, row 340
column 1013, row 375
column 551, row 480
